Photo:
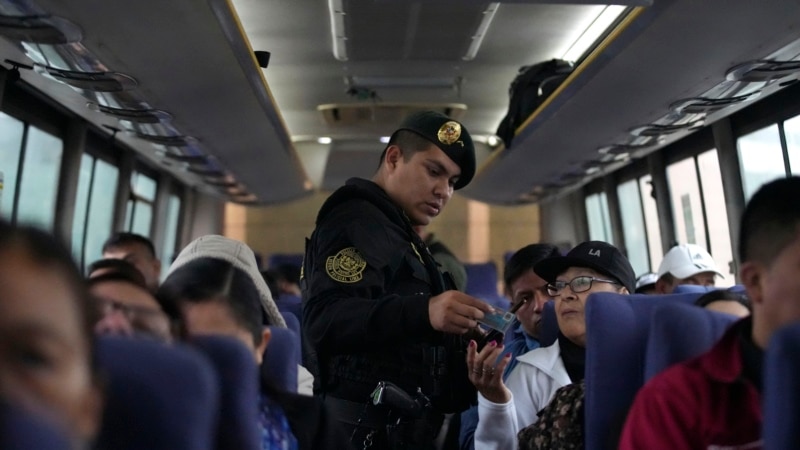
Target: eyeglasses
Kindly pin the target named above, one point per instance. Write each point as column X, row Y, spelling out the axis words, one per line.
column 578, row 285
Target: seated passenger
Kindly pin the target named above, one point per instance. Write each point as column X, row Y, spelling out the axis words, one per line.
column 137, row 250
column 646, row 284
column 686, row 264
column 46, row 339
column 504, row 409
column 714, row 400
column 243, row 258
column 725, row 301
column 215, row 297
column 125, row 304
column 528, row 293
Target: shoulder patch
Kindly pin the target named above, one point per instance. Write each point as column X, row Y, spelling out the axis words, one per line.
column 346, row 266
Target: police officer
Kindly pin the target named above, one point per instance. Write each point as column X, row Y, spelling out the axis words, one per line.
column 375, row 305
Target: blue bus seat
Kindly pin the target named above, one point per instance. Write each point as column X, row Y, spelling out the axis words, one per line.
column 679, row 332
column 21, row 430
column 293, row 323
column 281, row 359
column 237, row 379
column 158, row 397
column 616, row 339
column 482, row 284
column 548, row 330
column 781, row 396
column 290, row 303
column 277, row 259
column 692, row 288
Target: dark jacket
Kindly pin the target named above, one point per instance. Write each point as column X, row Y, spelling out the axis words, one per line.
column 367, row 279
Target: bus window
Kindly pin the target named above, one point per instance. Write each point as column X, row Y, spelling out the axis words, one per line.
column 89, row 231
column 171, row 235
column 760, row 158
column 633, row 226
column 140, row 206
column 39, row 181
column 651, row 221
column 686, row 204
column 598, row 217
column 792, row 130
column 719, row 235
column 11, row 131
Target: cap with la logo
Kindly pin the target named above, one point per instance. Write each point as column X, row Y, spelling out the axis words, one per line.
column 597, row 255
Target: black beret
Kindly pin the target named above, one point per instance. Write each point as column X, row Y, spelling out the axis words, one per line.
column 448, row 135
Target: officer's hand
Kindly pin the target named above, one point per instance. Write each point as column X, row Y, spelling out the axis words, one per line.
column 455, row 312
column 486, row 372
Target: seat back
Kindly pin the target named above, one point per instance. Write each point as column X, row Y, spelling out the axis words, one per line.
column 482, row 284
column 679, row 332
column 281, row 359
column 548, row 331
column 21, row 430
column 290, row 303
column 237, row 379
column 158, row 397
column 616, row 338
column 781, row 396
column 692, row 288
column 277, row 259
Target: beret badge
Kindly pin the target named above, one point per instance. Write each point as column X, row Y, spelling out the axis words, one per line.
column 449, row 133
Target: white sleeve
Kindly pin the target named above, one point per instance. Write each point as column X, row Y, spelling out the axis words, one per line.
column 528, row 387
column 497, row 425
column 305, row 381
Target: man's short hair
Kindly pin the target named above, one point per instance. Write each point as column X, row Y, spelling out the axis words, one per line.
column 119, row 267
column 525, row 258
column 771, row 221
column 122, row 238
column 409, row 142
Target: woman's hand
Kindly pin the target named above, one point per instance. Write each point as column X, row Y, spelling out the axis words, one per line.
column 486, row 371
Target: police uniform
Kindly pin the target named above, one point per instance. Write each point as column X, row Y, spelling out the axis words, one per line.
column 367, row 279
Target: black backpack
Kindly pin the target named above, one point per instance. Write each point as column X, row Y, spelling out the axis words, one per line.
column 532, row 85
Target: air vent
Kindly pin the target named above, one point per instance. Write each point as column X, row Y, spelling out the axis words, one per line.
column 169, row 141
column 133, row 115
column 701, row 105
column 40, row 29
column 660, row 130
column 206, row 173
column 90, row 81
column 386, row 115
column 762, row 70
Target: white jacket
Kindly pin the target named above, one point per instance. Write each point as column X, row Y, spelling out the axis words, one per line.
column 533, row 382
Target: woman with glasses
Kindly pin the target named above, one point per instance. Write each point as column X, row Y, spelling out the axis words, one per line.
column 506, row 408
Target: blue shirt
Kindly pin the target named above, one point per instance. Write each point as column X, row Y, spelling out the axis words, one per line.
column 517, row 342
column 276, row 434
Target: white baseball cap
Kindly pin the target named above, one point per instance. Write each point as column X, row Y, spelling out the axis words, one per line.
column 686, row 260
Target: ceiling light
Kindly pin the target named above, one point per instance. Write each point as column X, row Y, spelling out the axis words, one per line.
column 324, row 140
column 483, row 27
column 492, row 141
column 593, row 32
column 385, row 139
column 336, row 10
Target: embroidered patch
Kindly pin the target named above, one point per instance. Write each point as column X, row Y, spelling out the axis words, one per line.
column 347, row 266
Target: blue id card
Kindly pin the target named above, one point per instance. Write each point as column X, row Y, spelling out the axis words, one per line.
column 498, row 319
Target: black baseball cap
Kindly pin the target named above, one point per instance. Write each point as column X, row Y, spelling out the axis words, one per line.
column 597, row 255
column 450, row 136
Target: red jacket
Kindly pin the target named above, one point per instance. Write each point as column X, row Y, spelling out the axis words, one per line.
column 703, row 403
